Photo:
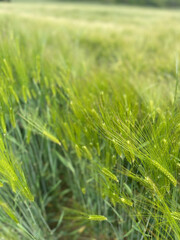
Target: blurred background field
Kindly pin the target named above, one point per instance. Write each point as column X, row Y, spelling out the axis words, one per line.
column 89, row 101
column 154, row 3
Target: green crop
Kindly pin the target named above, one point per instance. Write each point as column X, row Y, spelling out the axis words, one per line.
column 89, row 122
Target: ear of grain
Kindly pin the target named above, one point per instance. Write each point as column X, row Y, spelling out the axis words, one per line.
column 9, row 212
column 109, row 174
column 126, row 201
column 78, row 151
column 41, row 129
column 14, row 94
column 98, row 218
column 88, row 153
column 165, row 172
column 51, row 137
column 3, row 124
column 176, row 215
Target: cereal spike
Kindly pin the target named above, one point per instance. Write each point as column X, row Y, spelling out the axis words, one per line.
column 97, row 218
column 165, row 172
column 51, row 137
column 109, row 174
column 9, row 212
column 176, row 215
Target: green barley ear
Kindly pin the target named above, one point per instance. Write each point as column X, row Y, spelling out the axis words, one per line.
column 117, row 199
column 7, row 70
column 109, row 174
column 176, row 215
column 12, row 173
column 97, row 218
column 40, row 128
column 13, row 93
column 126, row 201
column 3, row 124
column 78, row 151
column 165, row 172
column 87, row 153
column 8, row 211
column 50, row 136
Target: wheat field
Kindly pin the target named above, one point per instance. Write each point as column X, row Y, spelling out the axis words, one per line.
column 89, row 122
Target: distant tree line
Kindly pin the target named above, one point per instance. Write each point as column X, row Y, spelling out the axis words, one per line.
column 156, row 3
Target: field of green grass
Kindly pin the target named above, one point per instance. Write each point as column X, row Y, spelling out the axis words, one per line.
column 89, row 122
